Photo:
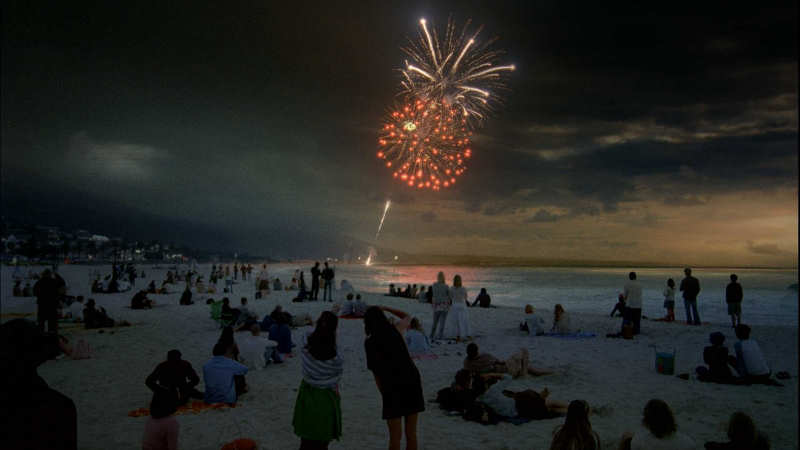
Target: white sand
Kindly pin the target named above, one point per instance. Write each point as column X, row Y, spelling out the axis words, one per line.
column 612, row 374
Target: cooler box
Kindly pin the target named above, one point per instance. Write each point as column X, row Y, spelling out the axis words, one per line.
column 665, row 362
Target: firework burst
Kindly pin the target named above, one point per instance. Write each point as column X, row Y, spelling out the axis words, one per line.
column 457, row 71
column 425, row 144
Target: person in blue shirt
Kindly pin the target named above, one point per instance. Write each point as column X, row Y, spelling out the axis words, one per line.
column 219, row 375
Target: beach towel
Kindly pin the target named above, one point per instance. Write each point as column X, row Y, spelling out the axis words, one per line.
column 189, row 408
column 578, row 335
column 241, row 444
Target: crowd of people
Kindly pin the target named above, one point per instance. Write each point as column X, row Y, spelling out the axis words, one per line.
column 393, row 338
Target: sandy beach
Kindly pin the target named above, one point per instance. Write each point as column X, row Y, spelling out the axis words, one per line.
column 615, row 376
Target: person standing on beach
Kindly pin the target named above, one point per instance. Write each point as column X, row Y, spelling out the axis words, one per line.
column 690, row 287
column 327, row 275
column 46, row 292
column 317, row 410
column 733, row 297
column 315, row 272
column 669, row 300
column 441, row 301
column 396, row 375
column 633, row 302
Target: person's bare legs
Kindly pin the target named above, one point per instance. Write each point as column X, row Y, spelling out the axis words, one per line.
column 395, row 432
column 411, row 432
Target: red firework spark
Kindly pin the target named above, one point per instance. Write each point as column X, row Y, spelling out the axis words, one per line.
column 425, row 143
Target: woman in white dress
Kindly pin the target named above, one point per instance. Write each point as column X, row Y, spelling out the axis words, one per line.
column 458, row 318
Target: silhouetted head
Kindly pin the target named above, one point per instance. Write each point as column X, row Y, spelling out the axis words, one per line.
column 528, row 309
column 577, row 414
column 358, row 296
column 558, row 310
column 671, row 283
column 742, row 331
column 632, row 275
column 220, row 348
column 174, row 355
column 326, row 264
column 416, row 324
column 316, row 264
column 225, row 301
column 734, row 277
column 90, row 303
column 483, row 291
column 463, row 378
column 349, row 296
column 244, row 300
column 472, row 350
column 687, row 271
column 46, row 273
column 79, row 299
column 658, row 418
column 23, row 347
column 716, row 338
column 322, row 341
column 741, row 429
column 440, row 277
column 376, row 323
column 457, row 281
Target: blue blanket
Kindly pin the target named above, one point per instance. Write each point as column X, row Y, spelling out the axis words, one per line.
column 578, row 335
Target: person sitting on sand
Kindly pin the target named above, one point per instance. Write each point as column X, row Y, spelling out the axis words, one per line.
column 483, row 299
column 346, row 308
column 246, row 317
column 360, row 306
column 391, row 290
column 749, row 361
column 516, row 365
column 462, row 393
column 560, row 321
column 35, row 416
column 743, row 435
column 228, row 313
column 528, row 403
column 282, row 334
column 256, row 349
column 531, row 322
column 416, row 340
column 76, row 309
column 162, row 429
column 17, row 291
column 576, row 433
column 226, row 338
column 277, row 285
column 317, row 410
column 659, row 431
column 186, row 297
column 219, row 375
column 151, row 288
column 175, row 375
column 620, row 306
column 96, row 317
column 140, row 301
column 716, row 356
column 421, row 294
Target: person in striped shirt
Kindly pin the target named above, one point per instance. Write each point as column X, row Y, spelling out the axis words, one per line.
column 317, row 410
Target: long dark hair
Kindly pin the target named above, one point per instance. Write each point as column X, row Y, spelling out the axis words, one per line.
column 376, row 324
column 322, row 341
column 576, row 433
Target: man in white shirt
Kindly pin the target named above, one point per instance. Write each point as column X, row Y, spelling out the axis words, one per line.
column 633, row 302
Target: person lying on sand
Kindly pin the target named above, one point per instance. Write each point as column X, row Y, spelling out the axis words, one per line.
column 516, row 365
column 528, row 403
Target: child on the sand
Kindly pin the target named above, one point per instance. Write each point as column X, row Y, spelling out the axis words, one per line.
column 716, row 356
column 620, row 306
column 416, row 340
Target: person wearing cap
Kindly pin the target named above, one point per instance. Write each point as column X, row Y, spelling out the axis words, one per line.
column 175, row 375
column 34, row 415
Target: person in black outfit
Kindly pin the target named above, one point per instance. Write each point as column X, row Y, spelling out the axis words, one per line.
column 327, row 275
column 620, row 306
column 186, row 297
column 395, row 373
column 140, row 301
column 483, row 298
column 315, row 273
column 690, row 287
column 716, row 356
column 177, row 376
column 46, row 292
column 733, row 297
column 34, row 415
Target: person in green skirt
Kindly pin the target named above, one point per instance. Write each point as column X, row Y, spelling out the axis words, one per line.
column 317, row 410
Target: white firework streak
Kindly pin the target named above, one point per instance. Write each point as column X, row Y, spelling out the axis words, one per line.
column 380, row 225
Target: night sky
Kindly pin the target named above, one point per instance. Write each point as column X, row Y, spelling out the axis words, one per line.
column 654, row 133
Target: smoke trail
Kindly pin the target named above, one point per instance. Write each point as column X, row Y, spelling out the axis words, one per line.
column 380, row 226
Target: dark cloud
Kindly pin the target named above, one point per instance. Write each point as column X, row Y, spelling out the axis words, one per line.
column 542, row 215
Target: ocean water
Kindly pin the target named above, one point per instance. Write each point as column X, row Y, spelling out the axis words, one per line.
column 767, row 296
